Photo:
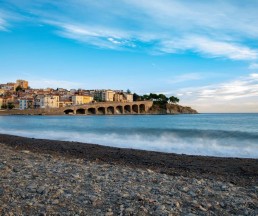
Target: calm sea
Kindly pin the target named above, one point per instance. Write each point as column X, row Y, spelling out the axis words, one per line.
column 231, row 135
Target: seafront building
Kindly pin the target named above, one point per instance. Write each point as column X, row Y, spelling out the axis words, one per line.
column 19, row 95
column 46, row 101
column 26, row 103
column 103, row 95
column 81, row 99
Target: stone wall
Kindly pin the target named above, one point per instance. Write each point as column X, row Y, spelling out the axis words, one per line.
column 103, row 108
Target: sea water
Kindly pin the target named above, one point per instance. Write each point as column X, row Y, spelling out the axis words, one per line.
column 225, row 135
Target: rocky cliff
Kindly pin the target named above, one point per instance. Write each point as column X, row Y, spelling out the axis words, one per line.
column 172, row 109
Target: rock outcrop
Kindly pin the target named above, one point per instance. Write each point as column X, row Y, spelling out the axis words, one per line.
column 172, row 109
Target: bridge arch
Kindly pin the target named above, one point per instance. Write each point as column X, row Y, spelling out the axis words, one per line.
column 119, row 110
column 135, row 108
column 127, row 109
column 142, row 108
column 92, row 111
column 101, row 111
column 110, row 110
column 68, row 112
column 81, row 111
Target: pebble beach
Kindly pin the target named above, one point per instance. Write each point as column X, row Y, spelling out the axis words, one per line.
column 43, row 177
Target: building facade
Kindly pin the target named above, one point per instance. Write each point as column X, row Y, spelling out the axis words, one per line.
column 81, row 99
column 123, row 97
column 46, row 101
column 22, row 83
column 26, row 103
column 103, row 95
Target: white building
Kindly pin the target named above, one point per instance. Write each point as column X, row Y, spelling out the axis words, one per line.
column 26, row 103
column 23, row 104
column 47, row 101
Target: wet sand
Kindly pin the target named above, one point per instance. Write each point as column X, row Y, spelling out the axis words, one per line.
column 238, row 171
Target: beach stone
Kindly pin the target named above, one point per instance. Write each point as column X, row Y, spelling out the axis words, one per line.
column 109, row 213
column 129, row 210
column 192, row 194
column 55, row 202
column 185, row 189
column 44, row 186
column 15, row 169
column 222, row 204
column 190, row 214
column 161, row 208
column 32, row 188
column 1, row 191
column 25, row 151
column 224, row 187
column 41, row 189
column 2, row 165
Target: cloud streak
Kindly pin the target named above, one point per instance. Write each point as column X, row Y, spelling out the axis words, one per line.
column 3, row 23
column 97, row 36
column 212, row 29
column 236, row 95
column 211, row 48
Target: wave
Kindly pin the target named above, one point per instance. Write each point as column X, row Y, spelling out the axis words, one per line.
column 182, row 141
column 192, row 133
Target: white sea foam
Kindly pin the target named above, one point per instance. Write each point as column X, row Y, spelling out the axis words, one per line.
column 164, row 142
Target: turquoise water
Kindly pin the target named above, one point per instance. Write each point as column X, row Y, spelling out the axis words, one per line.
column 231, row 135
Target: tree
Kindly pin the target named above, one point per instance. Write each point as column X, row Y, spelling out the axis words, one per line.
column 98, row 99
column 10, row 106
column 128, row 91
column 158, row 99
column 173, row 99
column 162, row 97
column 4, row 106
column 153, row 96
column 19, row 88
column 145, row 97
column 136, row 97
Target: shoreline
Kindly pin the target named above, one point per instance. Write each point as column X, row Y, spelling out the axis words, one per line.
column 238, row 171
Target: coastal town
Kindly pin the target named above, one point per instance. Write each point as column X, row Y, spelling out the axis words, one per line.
column 18, row 95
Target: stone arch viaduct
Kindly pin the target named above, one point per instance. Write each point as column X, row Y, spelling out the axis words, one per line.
column 109, row 108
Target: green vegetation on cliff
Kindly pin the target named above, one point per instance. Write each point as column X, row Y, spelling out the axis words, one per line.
column 164, row 105
column 158, row 99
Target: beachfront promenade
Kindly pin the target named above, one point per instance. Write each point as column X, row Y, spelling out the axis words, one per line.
column 101, row 108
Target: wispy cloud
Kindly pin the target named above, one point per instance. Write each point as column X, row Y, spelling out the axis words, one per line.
column 217, row 29
column 210, row 48
column 237, row 94
column 97, row 36
column 235, row 89
column 3, row 23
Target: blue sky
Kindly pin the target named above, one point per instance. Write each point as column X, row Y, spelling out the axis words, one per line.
column 204, row 52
